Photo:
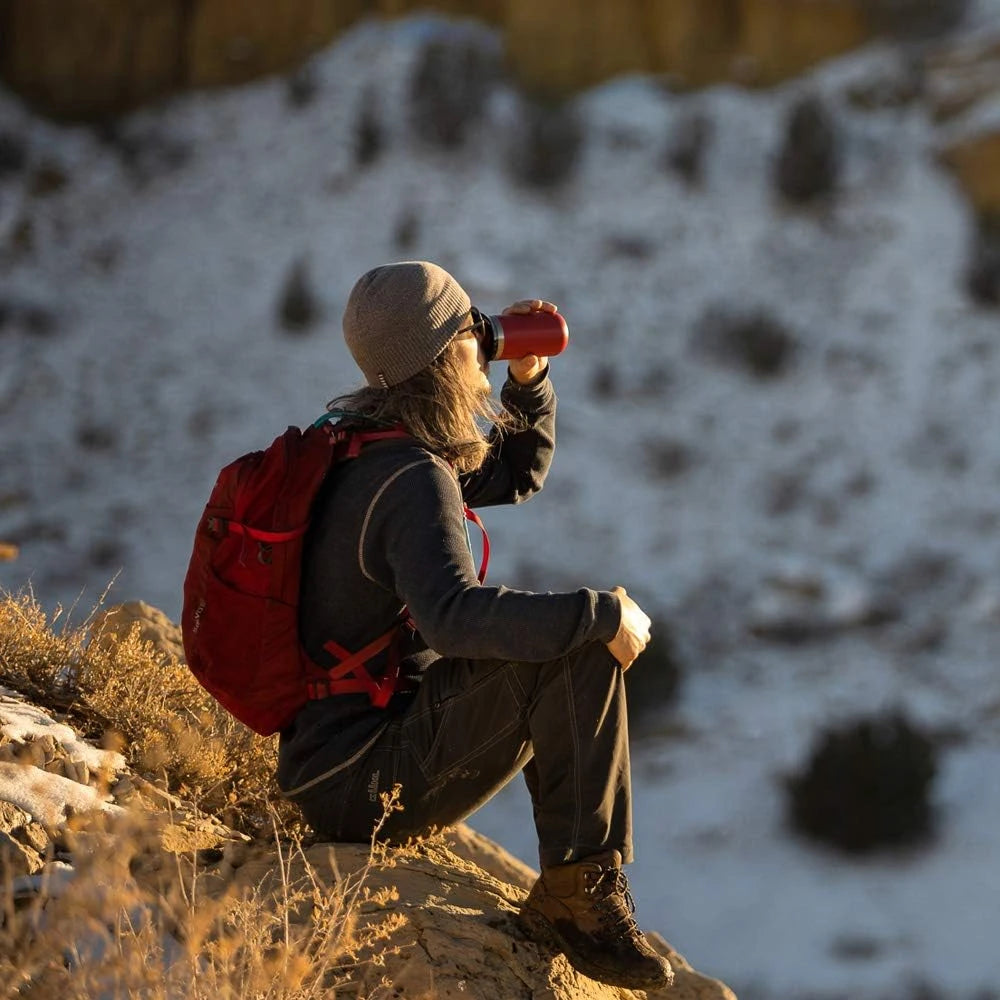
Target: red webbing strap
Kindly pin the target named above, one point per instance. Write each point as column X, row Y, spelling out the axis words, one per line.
column 349, row 662
column 362, row 682
column 258, row 535
column 356, row 440
column 471, row 515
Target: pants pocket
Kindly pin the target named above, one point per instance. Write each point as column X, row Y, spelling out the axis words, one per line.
column 458, row 726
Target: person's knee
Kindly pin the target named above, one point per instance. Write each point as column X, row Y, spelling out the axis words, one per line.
column 597, row 654
column 593, row 659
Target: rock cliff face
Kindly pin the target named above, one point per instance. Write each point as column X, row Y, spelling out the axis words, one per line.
column 564, row 46
column 964, row 92
column 87, row 58
column 80, row 58
column 975, row 158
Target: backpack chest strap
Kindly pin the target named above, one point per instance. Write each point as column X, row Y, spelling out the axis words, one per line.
column 350, row 675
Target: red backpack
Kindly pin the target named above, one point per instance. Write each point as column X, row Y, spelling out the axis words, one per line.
column 241, row 592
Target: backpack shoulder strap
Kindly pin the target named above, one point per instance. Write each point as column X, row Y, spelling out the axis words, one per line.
column 350, row 442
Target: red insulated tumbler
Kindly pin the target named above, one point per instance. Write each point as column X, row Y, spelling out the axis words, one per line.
column 517, row 335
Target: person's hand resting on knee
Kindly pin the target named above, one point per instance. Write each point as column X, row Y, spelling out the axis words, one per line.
column 633, row 633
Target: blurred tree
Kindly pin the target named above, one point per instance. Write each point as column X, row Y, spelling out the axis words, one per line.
column 866, row 785
column 299, row 309
column 545, row 151
column 984, row 269
column 808, row 163
column 452, row 81
column 748, row 338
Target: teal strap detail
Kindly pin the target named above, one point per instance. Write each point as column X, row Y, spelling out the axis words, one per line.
column 337, row 414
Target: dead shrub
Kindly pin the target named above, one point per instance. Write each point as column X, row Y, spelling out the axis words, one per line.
column 630, row 246
column 369, row 137
column 655, row 382
column 39, row 321
column 146, row 150
column 453, row 78
column 808, row 162
column 92, row 436
column 785, row 492
column 866, row 785
column 689, row 140
column 303, row 87
column 546, row 149
column 30, row 318
column 21, row 240
column 605, row 381
column 106, row 553
column 47, row 178
column 654, row 681
column 13, row 153
column 983, row 276
column 407, row 230
column 752, row 340
column 916, row 18
column 298, row 309
column 667, row 457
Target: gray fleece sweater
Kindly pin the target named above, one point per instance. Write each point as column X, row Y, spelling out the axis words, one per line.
column 389, row 530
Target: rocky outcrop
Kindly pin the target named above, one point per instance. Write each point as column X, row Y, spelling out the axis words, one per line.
column 81, row 58
column 151, row 624
column 963, row 93
column 454, row 899
column 975, row 158
column 961, row 75
column 695, row 42
column 435, row 918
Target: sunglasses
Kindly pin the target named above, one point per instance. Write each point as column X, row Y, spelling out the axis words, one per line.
column 478, row 327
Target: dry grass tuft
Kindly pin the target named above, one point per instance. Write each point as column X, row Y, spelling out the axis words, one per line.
column 138, row 916
column 114, row 930
column 168, row 727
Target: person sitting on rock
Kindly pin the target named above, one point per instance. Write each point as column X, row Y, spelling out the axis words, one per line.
column 495, row 681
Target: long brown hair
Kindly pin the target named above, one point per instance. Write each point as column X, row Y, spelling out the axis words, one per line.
column 438, row 407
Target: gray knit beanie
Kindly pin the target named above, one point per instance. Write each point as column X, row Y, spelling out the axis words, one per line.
column 400, row 317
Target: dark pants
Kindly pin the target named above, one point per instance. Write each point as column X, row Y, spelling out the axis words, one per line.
column 471, row 727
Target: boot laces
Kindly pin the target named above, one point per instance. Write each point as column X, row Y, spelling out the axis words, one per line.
column 614, row 904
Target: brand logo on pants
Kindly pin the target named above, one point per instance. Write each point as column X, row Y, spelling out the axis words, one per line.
column 373, row 787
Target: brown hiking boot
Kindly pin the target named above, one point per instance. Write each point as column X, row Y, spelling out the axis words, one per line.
column 585, row 910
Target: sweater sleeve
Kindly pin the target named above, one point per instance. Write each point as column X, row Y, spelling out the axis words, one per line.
column 517, row 464
column 415, row 544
